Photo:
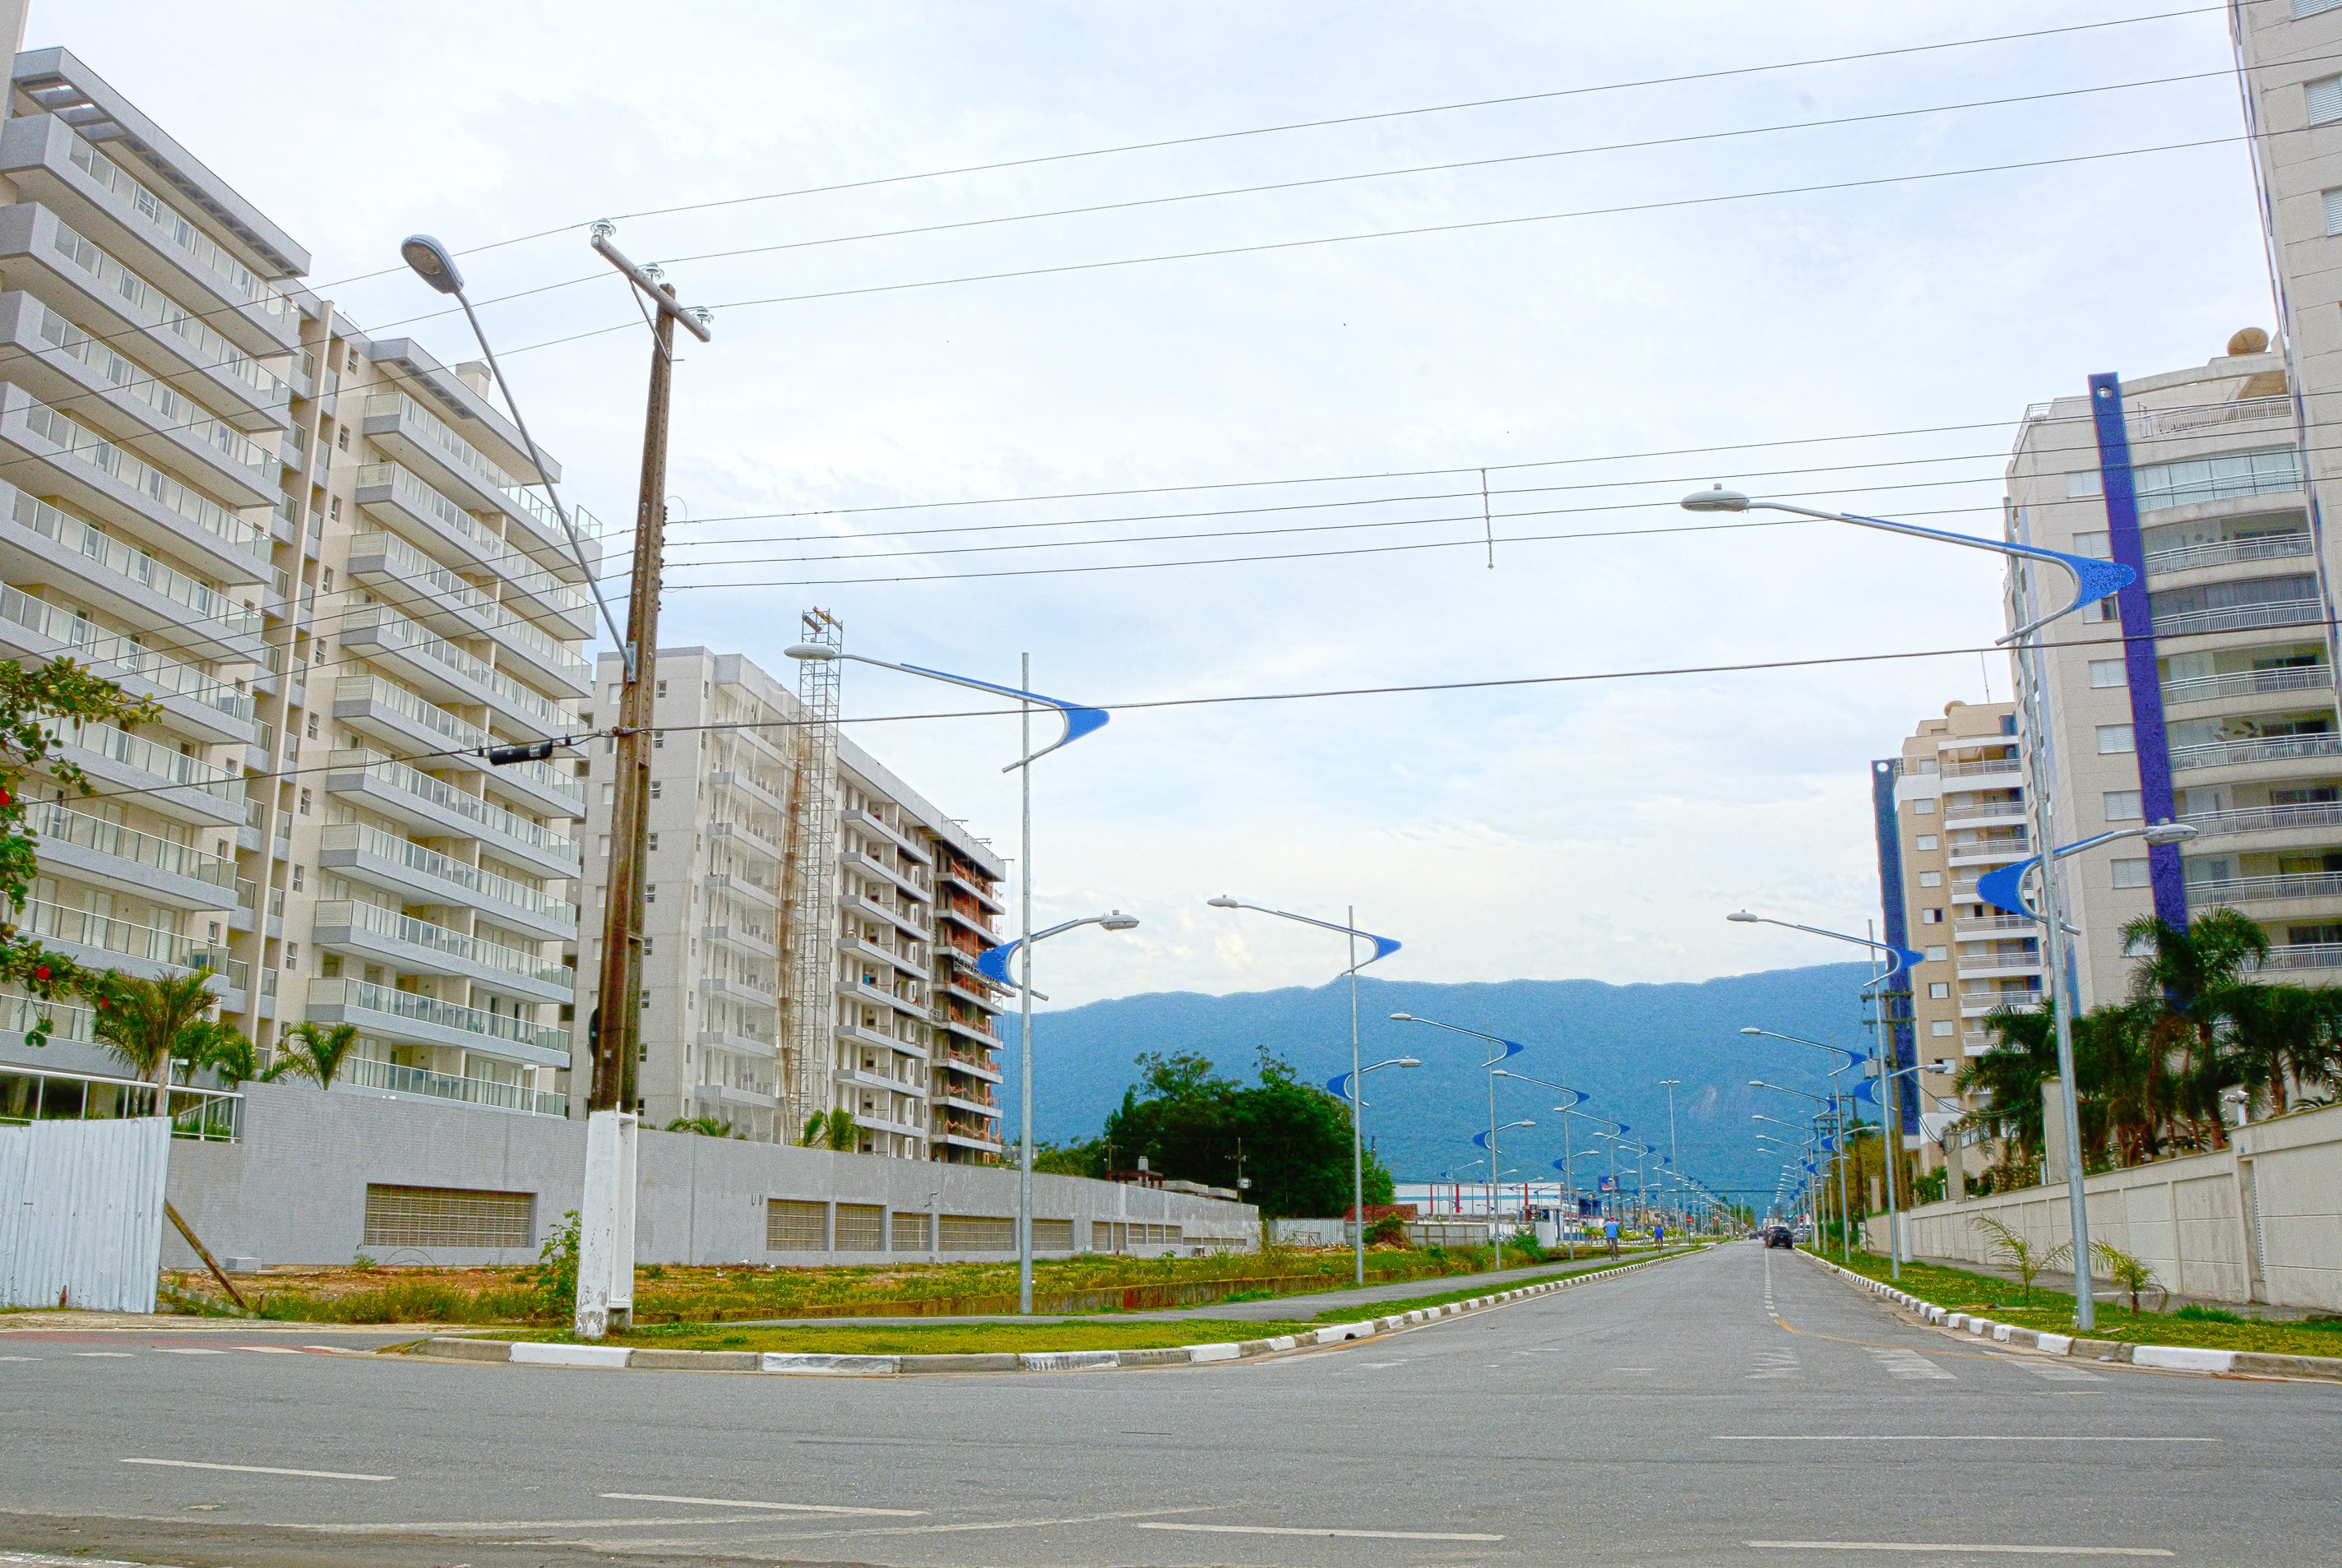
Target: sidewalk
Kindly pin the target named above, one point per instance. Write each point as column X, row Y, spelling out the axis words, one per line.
column 2062, row 1282
column 1280, row 1309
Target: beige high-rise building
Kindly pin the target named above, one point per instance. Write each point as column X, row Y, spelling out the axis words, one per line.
column 322, row 552
column 911, row 1047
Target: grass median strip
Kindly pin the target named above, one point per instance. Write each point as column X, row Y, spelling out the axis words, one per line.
column 940, row 1339
column 2004, row 1300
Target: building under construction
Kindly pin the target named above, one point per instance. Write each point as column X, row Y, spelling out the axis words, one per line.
column 811, row 927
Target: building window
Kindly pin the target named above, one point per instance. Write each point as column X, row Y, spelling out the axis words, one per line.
column 1931, row 879
column 2312, row 7
column 658, row 740
column 650, row 893
column 292, row 955
column 2130, row 872
column 1940, row 1028
column 1924, row 807
column 341, row 438
column 2122, row 806
column 2093, row 542
column 1929, row 841
column 2106, row 673
column 2334, row 204
column 662, row 688
column 1939, row 990
column 1938, row 955
column 653, row 844
column 2080, row 486
column 305, row 803
column 2226, row 476
column 654, row 789
column 1931, row 918
column 2325, row 97
column 2114, row 739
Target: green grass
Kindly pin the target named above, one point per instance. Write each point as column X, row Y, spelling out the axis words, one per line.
column 1447, row 1298
column 2003, row 1301
column 942, row 1339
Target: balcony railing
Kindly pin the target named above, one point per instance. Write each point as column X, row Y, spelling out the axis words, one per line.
column 197, row 511
column 1984, row 769
column 198, row 247
column 2267, row 889
column 431, row 863
column 396, row 631
column 392, row 926
column 157, row 945
column 1998, row 808
column 146, row 756
column 2248, row 683
column 85, row 641
column 1999, row 963
column 412, row 566
column 75, row 537
column 415, row 710
column 2149, row 423
column 2302, row 955
column 2265, row 818
column 367, row 1073
column 57, row 825
column 2226, row 552
column 438, row 1014
column 1991, row 923
column 489, row 816
column 2256, row 749
column 205, row 346
column 174, row 409
column 2238, row 617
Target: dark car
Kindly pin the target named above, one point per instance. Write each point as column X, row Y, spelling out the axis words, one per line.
column 1779, row 1236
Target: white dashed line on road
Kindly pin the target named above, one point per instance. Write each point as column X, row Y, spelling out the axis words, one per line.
column 104, row 1354
column 1907, row 1365
column 1964, row 1548
column 1313, row 1530
column 1775, row 1363
column 185, row 1350
column 771, row 1507
column 260, row 1470
column 2084, row 1438
column 2047, row 1371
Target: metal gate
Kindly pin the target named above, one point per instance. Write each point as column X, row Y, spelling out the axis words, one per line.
column 81, row 1213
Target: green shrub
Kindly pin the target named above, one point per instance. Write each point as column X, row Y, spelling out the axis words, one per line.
column 2195, row 1312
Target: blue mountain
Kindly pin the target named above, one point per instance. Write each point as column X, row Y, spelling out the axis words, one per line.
column 1617, row 1042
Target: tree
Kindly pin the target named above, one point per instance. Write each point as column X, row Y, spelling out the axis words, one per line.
column 36, row 703
column 704, row 1126
column 1086, row 1158
column 229, row 1054
column 2186, row 981
column 151, row 1024
column 317, row 1054
column 2281, row 1035
column 835, row 1130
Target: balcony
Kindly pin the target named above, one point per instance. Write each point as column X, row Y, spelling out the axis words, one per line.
column 437, row 807
column 858, row 1034
column 386, row 936
column 125, row 491
column 2238, row 618
column 415, row 436
column 878, row 828
column 2267, row 818
column 129, row 861
column 2255, row 749
column 756, row 891
column 388, row 1077
column 772, row 794
column 427, row 1019
column 952, row 876
column 406, row 723
column 1994, row 924
column 57, row 549
column 2201, row 418
column 2284, row 887
column 1992, row 851
column 425, row 876
column 2228, row 551
column 867, row 908
column 446, row 672
column 2248, row 684
column 1999, row 963
column 760, row 992
column 171, row 782
column 1989, row 767
column 738, row 1044
column 968, row 1031
column 430, row 592
column 2301, row 955
column 974, row 1067
column 100, row 941
column 855, row 860
column 39, row 632
column 1996, row 811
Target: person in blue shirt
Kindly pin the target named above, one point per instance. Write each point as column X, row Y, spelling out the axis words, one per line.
column 1658, row 1236
column 1610, row 1234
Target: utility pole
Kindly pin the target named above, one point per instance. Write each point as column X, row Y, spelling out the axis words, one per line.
column 618, row 1024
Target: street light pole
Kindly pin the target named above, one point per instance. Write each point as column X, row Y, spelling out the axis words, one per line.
column 1506, row 1050
column 1669, row 1084
column 1384, row 947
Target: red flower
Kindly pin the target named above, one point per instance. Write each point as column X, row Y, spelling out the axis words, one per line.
column 40, row 972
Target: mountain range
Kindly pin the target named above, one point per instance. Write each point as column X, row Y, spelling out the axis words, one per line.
column 1617, row 1042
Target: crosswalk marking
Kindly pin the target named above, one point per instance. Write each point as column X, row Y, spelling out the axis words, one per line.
column 1775, row 1363
column 1907, row 1365
column 2049, row 1371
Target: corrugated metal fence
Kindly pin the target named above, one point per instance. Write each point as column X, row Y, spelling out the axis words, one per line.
column 81, row 1213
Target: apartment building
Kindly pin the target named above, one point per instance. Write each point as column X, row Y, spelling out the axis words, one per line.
column 911, row 1040
column 1953, row 808
column 315, row 550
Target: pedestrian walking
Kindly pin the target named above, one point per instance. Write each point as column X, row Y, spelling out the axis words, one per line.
column 1610, row 1234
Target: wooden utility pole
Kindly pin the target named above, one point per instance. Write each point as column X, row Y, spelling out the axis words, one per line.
column 618, row 1014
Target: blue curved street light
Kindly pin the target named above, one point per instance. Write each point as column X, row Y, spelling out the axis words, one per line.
column 1384, row 947
column 2004, row 887
column 1078, row 720
column 1845, row 1244
column 1505, row 1051
column 1578, row 1097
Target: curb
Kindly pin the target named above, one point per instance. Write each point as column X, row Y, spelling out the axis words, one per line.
column 799, row 1363
column 2164, row 1357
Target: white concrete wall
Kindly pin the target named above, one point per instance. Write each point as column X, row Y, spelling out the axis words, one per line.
column 292, row 1190
column 2260, row 1220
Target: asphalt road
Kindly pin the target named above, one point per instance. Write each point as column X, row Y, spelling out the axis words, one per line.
column 1738, row 1407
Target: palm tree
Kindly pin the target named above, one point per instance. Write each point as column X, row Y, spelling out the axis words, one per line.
column 317, row 1054
column 2279, row 1035
column 2186, row 980
column 831, row 1129
column 227, row 1051
column 151, row 1024
column 2006, row 1082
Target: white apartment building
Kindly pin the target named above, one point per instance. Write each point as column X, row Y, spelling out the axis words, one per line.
column 315, row 549
column 1957, row 795
column 913, row 1046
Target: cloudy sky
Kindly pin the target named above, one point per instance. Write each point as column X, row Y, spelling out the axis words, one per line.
column 1683, row 308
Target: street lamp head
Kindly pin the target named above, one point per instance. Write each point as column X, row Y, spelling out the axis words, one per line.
column 1408, row 1061
column 1223, row 902
column 1716, row 499
column 1750, row 1029
column 1395, row 1017
column 2169, row 833
column 811, row 653
column 432, row 263
column 1116, row 919
column 1743, row 917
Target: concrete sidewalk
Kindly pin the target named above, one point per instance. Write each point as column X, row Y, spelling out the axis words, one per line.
column 2062, row 1282
column 1280, row 1309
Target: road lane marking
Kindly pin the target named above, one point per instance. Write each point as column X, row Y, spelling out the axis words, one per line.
column 267, row 1349
column 1964, row 1548
column 104, row 1354
column 2047, row 1371
column 185, row 1350
column 1904, row 1366
column 1775, row 1363
column 20, row 1358
column 1311, row 1530
column 2075, row 1438
column 775, row 1507
column 260, row 1470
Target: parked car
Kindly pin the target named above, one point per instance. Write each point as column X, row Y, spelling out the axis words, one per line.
column 1779, row 1236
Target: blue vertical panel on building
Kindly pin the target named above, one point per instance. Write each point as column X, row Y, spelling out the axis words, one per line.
column 1894, row 1002
column 2155, row 801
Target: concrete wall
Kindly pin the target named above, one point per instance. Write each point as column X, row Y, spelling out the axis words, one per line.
column 2260, row 1220
column 293, row 1189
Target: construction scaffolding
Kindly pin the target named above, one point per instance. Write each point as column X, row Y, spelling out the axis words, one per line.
column 809, row 911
